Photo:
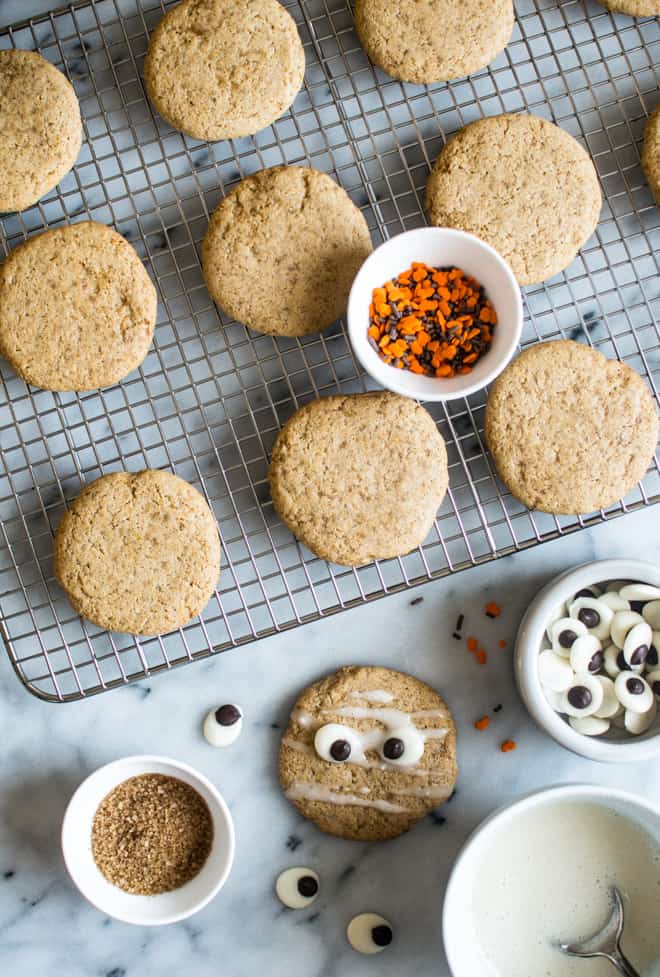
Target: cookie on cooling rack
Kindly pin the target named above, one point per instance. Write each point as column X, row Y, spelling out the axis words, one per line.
column 220, row 69
column 368, row 752
column 521, row 184
column 425, row 41
column 570, row 431
column 360, row 477
column 282, row 250
column 635, row 8
column 40, row 128
column 77, row 308
column 138, row 553
column 651, row 153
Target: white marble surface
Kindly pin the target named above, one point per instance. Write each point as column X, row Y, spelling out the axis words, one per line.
column 45, row 927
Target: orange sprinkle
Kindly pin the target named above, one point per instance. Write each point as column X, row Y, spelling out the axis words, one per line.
column 502, row 643
column 492, row 609
column 481, row 657
column 507, row 746
column 472, row 644
column 482, row 723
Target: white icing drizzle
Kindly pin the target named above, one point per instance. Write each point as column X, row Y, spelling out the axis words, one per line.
column 301, row 791
column 302, row 718
column 438, row 793
column 374, row 695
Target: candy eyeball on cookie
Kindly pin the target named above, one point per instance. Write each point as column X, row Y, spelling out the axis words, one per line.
column 403, row 747
column 563, row 633
column 297, row 887
column 594, row 614
column 369, row 933
column 337, row 743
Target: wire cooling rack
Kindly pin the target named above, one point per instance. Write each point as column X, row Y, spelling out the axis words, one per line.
column 211, row 396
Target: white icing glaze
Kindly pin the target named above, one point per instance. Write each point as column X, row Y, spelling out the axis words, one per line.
column 374, row 695
column 301, row 791
column 302, row 718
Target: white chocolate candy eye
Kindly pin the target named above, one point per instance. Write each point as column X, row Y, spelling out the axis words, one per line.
column 640, row 591
column 584, row 696
column 595, row 615
column 563, row 633
column 651, row 614
column 369, row 933
column 403, row 747
column 611, row 664
column 593, row 590
column 557, row 614
column 554, row 698
column 586, row 654
column 637, row 644
column 614, row 601
column 223, row 725
column 589, row 725
column 610, row 705
column 297, row 888
column 639, row 722
column 555, row 673
column 621, row 624
column 653, row 678
column 633, row 692
column 337, row 744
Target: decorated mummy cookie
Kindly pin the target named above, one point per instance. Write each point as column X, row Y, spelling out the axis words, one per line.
column 368, row 752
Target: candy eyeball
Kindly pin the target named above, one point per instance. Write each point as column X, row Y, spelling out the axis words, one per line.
column 651, row 614
column 595, row 615
column 555, row 673
column 223, row 725
column 587, row 654
column 638, row 722
column 563, row 633
column 637, row 644
column 614, row 601
column 369, row 933
column 640, row 592
column 589, row 725
column 297, row 888
column 622, row 622
column 610, row 705
column 633, row 692
column 557, row 614
column 337, row 744
column 610, row 661
column 583, row 697
column 403, row 747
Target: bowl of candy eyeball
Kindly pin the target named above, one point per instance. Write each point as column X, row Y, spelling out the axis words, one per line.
column 587, row 660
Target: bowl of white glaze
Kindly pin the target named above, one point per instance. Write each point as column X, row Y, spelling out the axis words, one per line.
column 617, row 745
column 439, row 247
column 156, row 910
column 539, row 871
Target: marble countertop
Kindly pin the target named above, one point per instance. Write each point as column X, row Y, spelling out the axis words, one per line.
column 46, row 927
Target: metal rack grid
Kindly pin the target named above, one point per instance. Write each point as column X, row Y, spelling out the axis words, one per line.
column 211, row 396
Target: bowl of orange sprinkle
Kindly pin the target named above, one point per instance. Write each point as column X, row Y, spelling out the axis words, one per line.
column 434, row 314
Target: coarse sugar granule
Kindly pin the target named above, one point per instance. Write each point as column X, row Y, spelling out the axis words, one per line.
column 151, row 834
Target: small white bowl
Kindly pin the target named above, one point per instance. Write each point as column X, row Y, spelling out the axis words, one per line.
column 463, row 952
column 616, row 746
column 170, row 907
column 439, row 247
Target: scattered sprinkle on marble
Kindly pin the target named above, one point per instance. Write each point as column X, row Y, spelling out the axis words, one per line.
column 437, row 819
column 293, row 842
column 9, row 874
column 297, row 887
column 415, row 601
column 369, row 933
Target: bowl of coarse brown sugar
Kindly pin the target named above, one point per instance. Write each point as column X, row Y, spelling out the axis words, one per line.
column 148, row 840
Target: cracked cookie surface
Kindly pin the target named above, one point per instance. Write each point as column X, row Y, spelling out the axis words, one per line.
column 138, row 553
column 77, row 308
column 222, row 69
column 570, row 431
column 359, row 477
column 634, row 8
column 282, row 250
column 521, row 184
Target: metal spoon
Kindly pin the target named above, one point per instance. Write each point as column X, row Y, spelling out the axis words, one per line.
column 607, row 942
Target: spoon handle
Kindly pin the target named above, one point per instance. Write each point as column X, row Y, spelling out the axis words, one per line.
column 623, row 965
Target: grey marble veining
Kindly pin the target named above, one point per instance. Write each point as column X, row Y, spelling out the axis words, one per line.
column 45, row 927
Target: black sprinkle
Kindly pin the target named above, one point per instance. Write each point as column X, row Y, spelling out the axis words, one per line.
column 116, row 972
column 293, row 842
column 459, row 623
column 416, row 601
column 498, row 708
column 9, row 874
column 313, row 917
column 348, row 871
column 457, row 636
column 488, row 614
column 275, row 726
column 437, row 818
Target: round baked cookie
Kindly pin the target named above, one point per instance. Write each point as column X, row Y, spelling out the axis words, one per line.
column 651, row 153
column 521, row 184
column 359, row 477
column 138, row 553
column 282, row 250
column 570, row 431
column 368, row 752
column 635, row 8
column 424, row 41
column 77, row 308
column 40, row 128
column 221, row 69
